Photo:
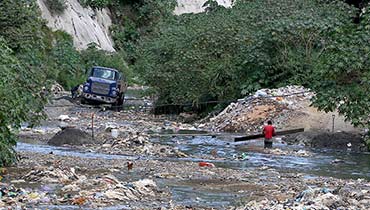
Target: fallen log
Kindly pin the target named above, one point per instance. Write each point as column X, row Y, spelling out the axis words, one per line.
column 278, row 133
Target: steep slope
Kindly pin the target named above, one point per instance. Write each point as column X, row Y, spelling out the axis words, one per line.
column 87, row 26
column 84, row 24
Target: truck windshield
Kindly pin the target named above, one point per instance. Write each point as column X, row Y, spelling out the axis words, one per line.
column 103, row 73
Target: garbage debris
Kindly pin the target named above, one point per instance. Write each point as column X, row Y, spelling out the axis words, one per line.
column 337, row 161
column 93, row 182
column 134, row 143
column 316, row 198
column 57, row 89
column 243, row 156
column 249, row 114
column 52, row 175
column 300, row 153
column 78, row 189
column 205, row 164
column 64, row 117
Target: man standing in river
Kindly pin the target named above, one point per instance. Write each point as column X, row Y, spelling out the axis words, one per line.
column 269, row 132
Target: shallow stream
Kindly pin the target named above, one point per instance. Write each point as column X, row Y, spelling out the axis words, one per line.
column 320, row 163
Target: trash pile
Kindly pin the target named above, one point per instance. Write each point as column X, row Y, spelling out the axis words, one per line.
column 52, row 175
column 74, row 189
column 340, row 197
column 11, row 196
column 250, row 113
column 298, row 153
column 134, row 143
column 56, row 88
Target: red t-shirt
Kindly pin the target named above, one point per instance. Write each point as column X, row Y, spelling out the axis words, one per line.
column 269, row 131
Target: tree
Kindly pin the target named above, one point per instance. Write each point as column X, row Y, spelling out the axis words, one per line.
column 19, row 101
column 224, row 53
column 345, row 73
column 21, row 71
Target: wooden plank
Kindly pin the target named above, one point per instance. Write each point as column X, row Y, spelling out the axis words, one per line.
column 278, row 133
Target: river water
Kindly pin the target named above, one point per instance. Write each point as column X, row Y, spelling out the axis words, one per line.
column 320, row 163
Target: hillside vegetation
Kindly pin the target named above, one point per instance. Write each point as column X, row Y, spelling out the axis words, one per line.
column 222, row 54
column 225, row 54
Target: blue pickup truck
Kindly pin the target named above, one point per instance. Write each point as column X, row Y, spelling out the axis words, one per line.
column 104, row 85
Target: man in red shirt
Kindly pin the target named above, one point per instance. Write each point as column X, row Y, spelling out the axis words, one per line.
column 269, row 132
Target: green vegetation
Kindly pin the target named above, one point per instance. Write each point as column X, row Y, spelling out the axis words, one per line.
column 56, row 6
column 31, row 57
column 226, row 53
column 135, row 19
column 21, row 71
column 94, row 57
column 96, row 3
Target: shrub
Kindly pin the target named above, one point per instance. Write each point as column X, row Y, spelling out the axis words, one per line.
column 56, row 6
column 96, row 3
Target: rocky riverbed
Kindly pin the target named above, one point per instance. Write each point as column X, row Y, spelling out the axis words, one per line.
column 130, row 162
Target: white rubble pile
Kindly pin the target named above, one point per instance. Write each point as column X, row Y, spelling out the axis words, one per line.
column 96, row 191
column 57, row 89
column 250, row 113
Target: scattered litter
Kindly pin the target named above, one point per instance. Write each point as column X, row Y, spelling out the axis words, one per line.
column 64, row 118
column 205, row 164
column 243, row 156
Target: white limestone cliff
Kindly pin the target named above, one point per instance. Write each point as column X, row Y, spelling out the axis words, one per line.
column 87, row 26
column 84, row 24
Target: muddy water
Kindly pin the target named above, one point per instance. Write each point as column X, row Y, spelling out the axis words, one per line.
column 64, row 151
column 352, row 165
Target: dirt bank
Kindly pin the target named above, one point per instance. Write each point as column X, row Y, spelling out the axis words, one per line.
column 322, row 139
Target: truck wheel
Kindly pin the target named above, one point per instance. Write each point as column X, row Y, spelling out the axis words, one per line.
column 121, row 99
column 83, row 101
column 119, row 103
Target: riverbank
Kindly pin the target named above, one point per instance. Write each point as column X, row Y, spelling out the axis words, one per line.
column 51, row 180
column 127, row 168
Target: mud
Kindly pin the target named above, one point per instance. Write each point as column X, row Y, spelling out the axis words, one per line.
column 71, row 136
column 322, row 139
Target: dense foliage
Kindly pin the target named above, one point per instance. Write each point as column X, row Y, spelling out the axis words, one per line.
column 135, row 19
column 96, row 3
column 222, row 53
column 21, row 71
column 31, row 57
column 226, row 53
column 345, row 74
